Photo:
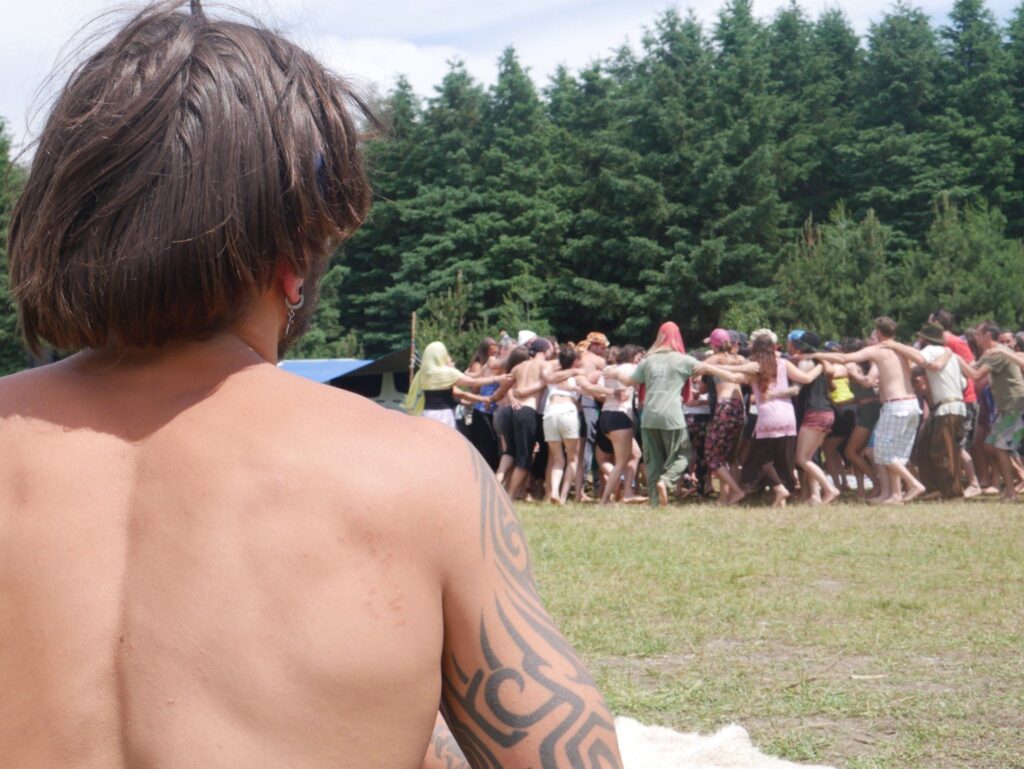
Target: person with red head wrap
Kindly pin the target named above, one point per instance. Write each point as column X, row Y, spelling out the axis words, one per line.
column 664, row 372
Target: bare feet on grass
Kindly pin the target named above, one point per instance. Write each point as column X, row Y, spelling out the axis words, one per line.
column 831, row 495
column 915, row 491
column 781, row 495
column 662, row 492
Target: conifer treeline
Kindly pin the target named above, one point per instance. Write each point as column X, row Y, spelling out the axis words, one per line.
column 754, row 172
column 751, row 172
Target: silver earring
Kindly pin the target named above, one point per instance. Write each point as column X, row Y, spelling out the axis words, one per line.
column 292, row 307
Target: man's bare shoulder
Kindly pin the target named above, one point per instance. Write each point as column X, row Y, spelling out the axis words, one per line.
column 335, row 414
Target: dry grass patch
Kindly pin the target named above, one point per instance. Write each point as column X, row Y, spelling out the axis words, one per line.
column 850, row 635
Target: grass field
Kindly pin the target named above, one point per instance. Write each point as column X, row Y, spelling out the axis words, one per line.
column 850, row 635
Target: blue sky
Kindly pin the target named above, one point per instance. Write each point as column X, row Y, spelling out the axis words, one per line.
column 372, row 42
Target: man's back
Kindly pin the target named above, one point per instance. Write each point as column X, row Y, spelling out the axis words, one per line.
column 210, row 572
column 527, row 375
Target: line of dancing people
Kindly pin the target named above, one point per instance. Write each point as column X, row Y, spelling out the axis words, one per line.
column 891, row 422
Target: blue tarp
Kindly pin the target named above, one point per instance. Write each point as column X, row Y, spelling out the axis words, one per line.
column 323, row 370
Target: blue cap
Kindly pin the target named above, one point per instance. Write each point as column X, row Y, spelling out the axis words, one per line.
column 794, row 336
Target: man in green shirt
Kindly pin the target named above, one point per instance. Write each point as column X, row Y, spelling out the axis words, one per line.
column 1003, row 368
column 663, row 372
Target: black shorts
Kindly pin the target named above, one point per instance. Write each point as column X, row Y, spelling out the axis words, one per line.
column 525, row 427
column 609, row 422
column 503, row 427
column 846, row 419
column 615, row 420
column 868, row 414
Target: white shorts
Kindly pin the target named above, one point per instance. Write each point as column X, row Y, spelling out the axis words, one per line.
column 561, row 422
column 896, row 430
column 444, row 416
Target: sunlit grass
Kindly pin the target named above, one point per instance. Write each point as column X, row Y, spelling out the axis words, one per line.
column 850, row 635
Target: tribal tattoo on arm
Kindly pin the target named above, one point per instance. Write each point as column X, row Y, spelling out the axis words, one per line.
column 523, row 698
column 444, row 751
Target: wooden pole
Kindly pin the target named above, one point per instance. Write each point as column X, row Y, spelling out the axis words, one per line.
column 412, row 349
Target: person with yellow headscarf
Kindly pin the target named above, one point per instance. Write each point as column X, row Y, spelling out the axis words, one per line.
column 431, row 392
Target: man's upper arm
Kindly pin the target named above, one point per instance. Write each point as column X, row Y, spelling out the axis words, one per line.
column 859, row 356
column 514, row 693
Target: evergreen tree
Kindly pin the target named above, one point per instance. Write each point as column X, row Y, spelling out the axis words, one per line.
column 969, row 267
column 12, row 353
column 744, row 223
column 896, row 162
column 525, row 227
column 836, row 277
column 978, row 114
column 1013, row 204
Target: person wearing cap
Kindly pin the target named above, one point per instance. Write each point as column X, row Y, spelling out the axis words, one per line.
column 1003, row 367
column 592, row 360
column 729, row 416
column 942, row 474
column 664, row 371
column 900, row 414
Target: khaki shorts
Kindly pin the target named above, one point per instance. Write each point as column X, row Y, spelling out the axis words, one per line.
column 561, row 423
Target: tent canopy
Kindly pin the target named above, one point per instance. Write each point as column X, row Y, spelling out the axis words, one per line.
column 326, row 370
column 323, row 370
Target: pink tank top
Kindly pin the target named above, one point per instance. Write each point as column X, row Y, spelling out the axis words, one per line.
column 775, row 418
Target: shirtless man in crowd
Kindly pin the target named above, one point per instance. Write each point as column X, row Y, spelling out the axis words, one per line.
column 527, row 385
column 897, row 425
column 206, row 561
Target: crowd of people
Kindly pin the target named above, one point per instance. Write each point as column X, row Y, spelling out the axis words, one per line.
column 793, row 418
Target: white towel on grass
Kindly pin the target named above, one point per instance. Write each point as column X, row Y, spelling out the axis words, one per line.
column 657, row 747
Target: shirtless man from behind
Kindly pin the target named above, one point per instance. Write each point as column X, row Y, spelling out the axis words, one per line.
column 897, row 425
column 527, row 385
column 206, row 561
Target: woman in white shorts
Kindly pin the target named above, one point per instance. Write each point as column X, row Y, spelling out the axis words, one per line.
column 562, row 429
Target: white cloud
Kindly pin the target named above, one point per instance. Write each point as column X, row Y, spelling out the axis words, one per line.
column 380, row 61
column 374, row 42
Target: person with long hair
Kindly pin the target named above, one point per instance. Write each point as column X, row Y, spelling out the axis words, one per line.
column 771, row 460
column 208, row 560
column 664, row 372
column 617, row 425
column 818, row 418
column 561, row 425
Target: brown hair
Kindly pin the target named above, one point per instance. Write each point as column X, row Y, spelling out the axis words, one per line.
column 762, row 352
column 181, row 162
column 886, row 326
